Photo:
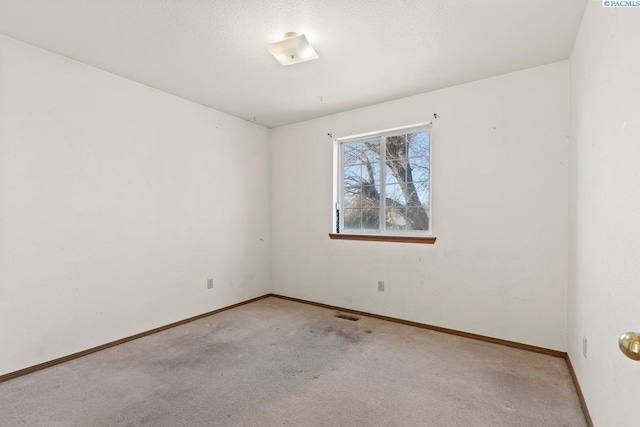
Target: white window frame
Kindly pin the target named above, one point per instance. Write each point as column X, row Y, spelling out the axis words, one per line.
column 381, row 136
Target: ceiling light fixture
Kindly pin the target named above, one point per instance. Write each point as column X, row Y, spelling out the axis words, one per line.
column 294, row 49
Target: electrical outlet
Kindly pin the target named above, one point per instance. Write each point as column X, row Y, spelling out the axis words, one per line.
column 209, row 283
column 584, row 347
column 380, row 286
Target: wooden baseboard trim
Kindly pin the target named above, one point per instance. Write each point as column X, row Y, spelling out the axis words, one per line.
column 499, row 341
column 30, row 369
column 583, row 403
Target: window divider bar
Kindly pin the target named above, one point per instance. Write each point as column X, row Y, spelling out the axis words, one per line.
column 382, row 223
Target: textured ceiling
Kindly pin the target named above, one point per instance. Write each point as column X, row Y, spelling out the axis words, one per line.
column 213, row 51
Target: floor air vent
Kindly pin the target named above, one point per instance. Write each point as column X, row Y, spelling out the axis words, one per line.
column 347, row 316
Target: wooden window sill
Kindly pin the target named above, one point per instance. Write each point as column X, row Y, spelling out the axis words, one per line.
column 428, row 240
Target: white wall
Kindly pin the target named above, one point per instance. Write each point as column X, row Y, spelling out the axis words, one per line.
column 604, row 299
column 500, row 209
column 117, row 202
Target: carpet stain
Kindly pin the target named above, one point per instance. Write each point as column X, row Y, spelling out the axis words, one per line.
column 354, row 337
column 292, row 372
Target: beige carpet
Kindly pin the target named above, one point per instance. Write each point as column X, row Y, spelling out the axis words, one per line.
column 276, row 362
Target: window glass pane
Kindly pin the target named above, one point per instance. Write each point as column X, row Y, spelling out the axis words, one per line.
column 352, row 218
column 359, row 159
column 371, row 173
column 396, row 171
column 371, row 219
column 396, row 147
column 395, row 217
column 361, row 152
column 371, row 151
column 418, row 194
column 361, row 184
column 351, row 155
column 417, row 219
column 352, row 197
column 416, row 173
column 395, row 194
column 353, row 175
column 371, row 197
column 418, row 144
column 418, row 169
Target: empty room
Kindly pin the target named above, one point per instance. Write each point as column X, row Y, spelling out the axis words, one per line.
column 319, row 213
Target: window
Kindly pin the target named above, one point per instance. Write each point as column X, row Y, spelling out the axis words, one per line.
column 384, row 182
